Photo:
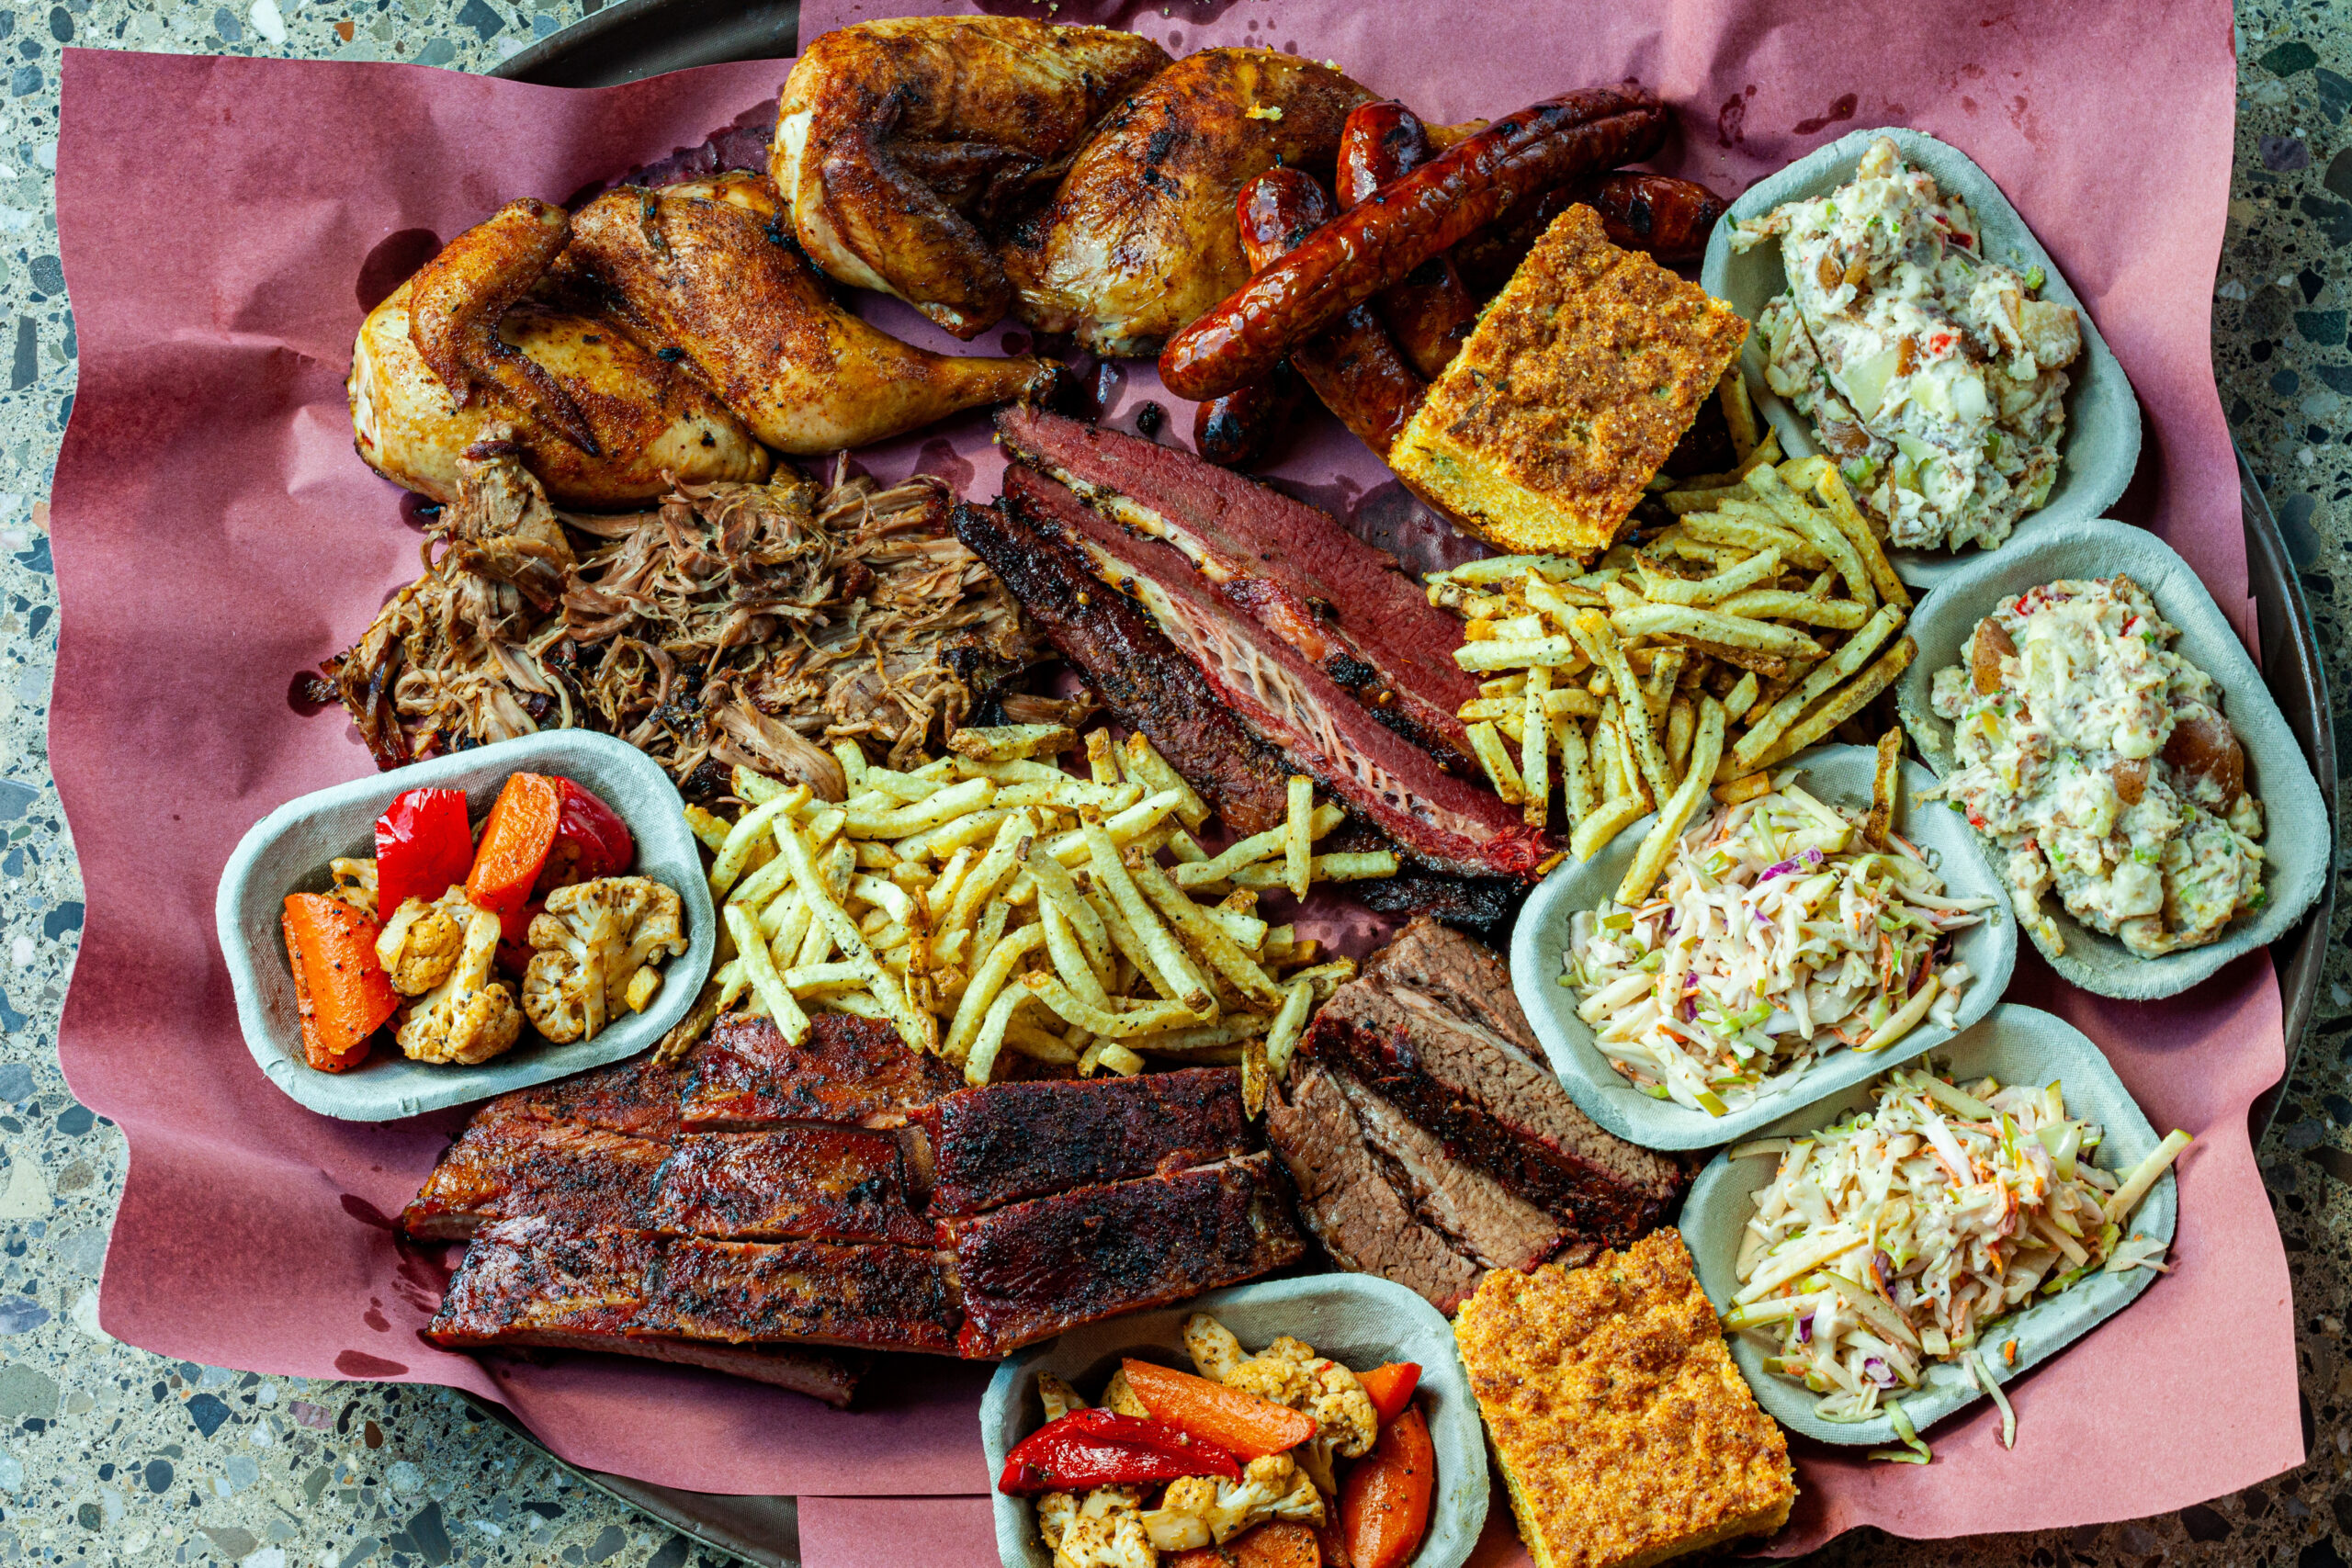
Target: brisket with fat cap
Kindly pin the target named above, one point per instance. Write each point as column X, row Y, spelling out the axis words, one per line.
column 820, row 1183
column 849, row 1071
column 1008, row 1142
column 1031, row 1269
column 1295, row 570
column 531, row 1283
column 510, row 1167
column 1442, row 821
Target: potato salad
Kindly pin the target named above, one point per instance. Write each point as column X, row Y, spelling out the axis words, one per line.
column 1931, row 374
column 2098, row 758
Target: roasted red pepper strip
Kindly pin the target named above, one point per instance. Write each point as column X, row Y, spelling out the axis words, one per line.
column 1103, row 1447
column 591, row 840
column 424, row 848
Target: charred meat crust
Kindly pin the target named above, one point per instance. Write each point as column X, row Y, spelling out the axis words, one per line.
column 881, row 1298
column 1032, row 1270
column 824, row 1183
column 849, row 1070
column 1010, row 1142
column 582, row 1176
column 637, row 1098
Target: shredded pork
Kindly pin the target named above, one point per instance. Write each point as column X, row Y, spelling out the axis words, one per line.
column 739, row 624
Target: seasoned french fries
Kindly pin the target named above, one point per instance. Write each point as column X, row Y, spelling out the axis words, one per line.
column 1769, row 600
column 990, row 901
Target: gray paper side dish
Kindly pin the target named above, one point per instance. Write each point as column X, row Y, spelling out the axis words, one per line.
column 1841, row 775
column 2101, row 443
column 1358, row 1320
column 287, row 850
column 2297, row 836
column 2015, row 1045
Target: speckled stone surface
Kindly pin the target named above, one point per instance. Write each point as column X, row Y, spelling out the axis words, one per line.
column 110, row 1455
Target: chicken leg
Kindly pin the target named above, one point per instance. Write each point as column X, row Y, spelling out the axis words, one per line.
column 710, row 275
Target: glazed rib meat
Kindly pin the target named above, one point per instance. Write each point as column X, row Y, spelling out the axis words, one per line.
column 1009, row 1142
column 1445, row 822
column 513, row 1167
column 1031, row 1269
column 880, row 1298
column 849, row 1071
column 824, row 1183
column 1340, row 603
column 534, row 1283
column 636, row 1098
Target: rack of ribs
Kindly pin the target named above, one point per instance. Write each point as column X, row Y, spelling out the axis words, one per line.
column 849, row 1071
column 999, row 1144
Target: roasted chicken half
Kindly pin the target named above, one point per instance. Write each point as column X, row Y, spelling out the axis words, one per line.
column 702, row 268
column 1140, row 238
column 898, row 142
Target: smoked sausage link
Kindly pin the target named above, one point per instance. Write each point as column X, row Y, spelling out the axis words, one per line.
column 1429, row 313
column 1354, row 367
column 1242, row 428
column 1665, row 217
column 1375, row 245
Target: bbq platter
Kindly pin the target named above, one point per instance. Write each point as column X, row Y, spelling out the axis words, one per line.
column 912, row 832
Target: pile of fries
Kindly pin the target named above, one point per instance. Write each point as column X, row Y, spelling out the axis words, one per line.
column 990, row 899
column 1766, row 617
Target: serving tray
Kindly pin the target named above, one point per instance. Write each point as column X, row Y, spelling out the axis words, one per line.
column 632, row 38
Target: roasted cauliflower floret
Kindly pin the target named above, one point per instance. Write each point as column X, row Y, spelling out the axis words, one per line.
column 1118, row 1396
column 1202, row 1510
column 1212, row 1346
column 591, row 941
column 354, row 883
column 1058, row 1398
column 1290, row 1373
column 418, row 946
column 1106, row 1530
column 469, row 1017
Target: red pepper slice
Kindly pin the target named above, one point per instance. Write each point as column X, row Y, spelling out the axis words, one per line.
column 591, row 840
column 424, row 848
column 1103, row 1447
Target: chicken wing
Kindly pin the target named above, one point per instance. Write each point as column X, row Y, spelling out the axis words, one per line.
column 713, row 277
column 1141, row 238
column 456, row 300
column 893, row 136
column 647, row 420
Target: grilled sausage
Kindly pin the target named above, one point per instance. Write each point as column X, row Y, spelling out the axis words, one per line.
column 1354, row 367
column 1429, row 313
column 1242, row 428
column 1667, row 217
column 1378, row 244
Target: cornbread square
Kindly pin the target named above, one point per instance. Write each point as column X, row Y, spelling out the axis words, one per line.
column 1625, row 1433
column 1575, row 386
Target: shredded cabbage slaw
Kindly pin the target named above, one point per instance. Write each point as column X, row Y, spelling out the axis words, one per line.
column 1907, row 1234
column 1776, row 935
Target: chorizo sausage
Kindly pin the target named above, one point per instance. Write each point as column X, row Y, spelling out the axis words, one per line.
column 1375, row 245
column 1354, row 367
column 1429, row 313
column 1240, row 429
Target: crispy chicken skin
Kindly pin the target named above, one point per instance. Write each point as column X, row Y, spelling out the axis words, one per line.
column 893, row 137
column 456, row 300
column 648, row 418
column 713, row 277
column 1141, row 238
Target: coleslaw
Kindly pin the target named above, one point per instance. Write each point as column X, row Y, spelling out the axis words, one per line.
column 1777, row 935
column 1905, row 1234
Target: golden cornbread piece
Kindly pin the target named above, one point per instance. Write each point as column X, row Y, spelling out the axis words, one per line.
column 1624, row 1431
column 1576, row 383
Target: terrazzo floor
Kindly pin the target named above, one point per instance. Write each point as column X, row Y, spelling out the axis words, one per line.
column 110, row 1455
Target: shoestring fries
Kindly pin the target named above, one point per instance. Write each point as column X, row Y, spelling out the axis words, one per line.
column 1769, row 603
column 988, row 901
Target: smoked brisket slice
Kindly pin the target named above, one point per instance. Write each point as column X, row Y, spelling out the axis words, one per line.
column 1462, row 975
column 1346, row 1199
column 1009, row 1142
column 1340, row 603
column 821, row 1183
column 580, row 1176
column 1442, row 821
column 878, row 1298
column 633, row 1097
column 1031, row 1269
column 849, row 1071
column 531, row 1283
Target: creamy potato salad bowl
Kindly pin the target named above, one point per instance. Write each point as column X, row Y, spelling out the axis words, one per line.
column 2100, row 761
column 1930, row 372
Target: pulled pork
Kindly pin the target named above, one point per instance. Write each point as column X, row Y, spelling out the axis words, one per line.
column 739, row 625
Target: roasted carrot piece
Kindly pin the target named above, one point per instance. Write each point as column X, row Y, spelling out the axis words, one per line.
column 515, row 845
column 1277, row 1544
column 1384, row 1501
column 1390, row 1388
column 343, row 992
column 1240, row 1423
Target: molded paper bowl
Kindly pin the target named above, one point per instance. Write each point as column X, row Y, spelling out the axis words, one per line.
column 2101, row 446
column 2298, row 835
column 1358, row 1320
column 287, row 850
column 2015, row 1045
column 1841, row 775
